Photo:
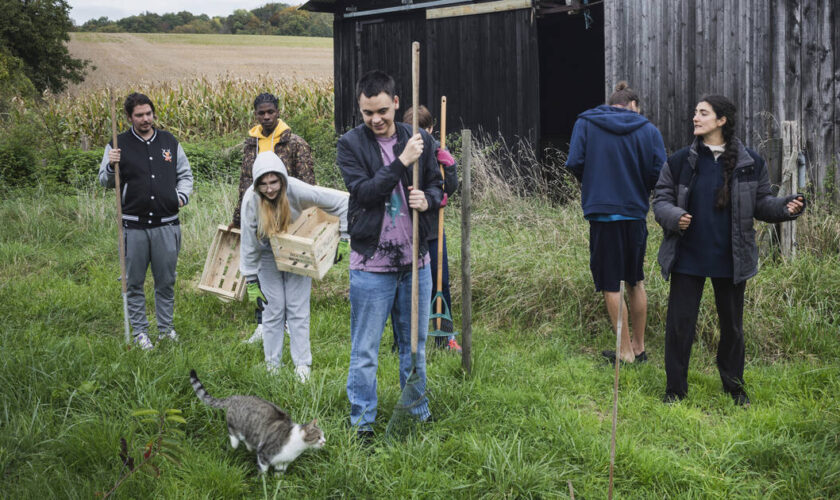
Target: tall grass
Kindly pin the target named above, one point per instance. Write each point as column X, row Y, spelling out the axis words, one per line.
column 533, row 415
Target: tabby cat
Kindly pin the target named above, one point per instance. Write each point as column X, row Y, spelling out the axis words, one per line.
column 263, row 426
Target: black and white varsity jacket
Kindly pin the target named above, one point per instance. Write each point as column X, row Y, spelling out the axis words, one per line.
column 155, row 176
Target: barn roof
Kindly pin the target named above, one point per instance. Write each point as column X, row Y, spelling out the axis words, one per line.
column 379, row 7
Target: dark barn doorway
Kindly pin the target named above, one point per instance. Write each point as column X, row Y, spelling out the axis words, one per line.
column 571, row 72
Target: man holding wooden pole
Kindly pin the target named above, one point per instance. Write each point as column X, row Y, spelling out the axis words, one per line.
column 155, row 182
column 375, row 159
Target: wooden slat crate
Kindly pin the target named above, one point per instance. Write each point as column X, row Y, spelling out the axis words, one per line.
column 308, row 247
column 221, row 275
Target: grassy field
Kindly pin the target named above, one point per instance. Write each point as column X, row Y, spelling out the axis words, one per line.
column 534, row 414
column 209, row 39
column 172, row 58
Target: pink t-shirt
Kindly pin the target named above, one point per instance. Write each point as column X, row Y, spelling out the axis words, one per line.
column 394, row 250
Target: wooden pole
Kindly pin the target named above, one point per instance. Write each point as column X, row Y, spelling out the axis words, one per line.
column 119, row 221
column 439, row 300
column 615, row 384
column 466, row 285
column 415, row 220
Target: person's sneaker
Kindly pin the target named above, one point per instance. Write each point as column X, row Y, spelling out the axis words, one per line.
column 273, row 369
column 453, row 345
column 671, row 398
column 365, row 437
column 302, row 372
column 741, row 399
column 168, row 336
column 143, row 342
column 257, row 336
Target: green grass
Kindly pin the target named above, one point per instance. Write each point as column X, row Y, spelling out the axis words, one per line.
column 534, row 414
column 211, row 39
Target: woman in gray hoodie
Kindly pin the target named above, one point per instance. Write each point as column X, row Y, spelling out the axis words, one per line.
column 269, row 207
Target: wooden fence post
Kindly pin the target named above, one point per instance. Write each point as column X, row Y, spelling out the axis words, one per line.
column 466, row 285
column 789, row 183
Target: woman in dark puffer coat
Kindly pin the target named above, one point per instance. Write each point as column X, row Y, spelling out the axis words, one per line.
column 705, row 200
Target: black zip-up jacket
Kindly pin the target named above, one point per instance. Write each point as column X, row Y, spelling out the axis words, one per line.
column 370, row 183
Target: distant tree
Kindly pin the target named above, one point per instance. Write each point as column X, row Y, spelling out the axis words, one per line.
column 35, row 31
column 270, row 19
column 13, row 81
column 197, row 25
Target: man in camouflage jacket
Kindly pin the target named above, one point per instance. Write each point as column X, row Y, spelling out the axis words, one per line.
column 291, row 148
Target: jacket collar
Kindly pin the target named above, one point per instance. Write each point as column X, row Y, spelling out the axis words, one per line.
column 744, row 158
column 137, row 136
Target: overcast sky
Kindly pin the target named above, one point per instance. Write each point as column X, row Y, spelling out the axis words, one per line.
column 84, row 10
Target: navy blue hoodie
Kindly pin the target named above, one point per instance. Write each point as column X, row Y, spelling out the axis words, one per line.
column 616, row 154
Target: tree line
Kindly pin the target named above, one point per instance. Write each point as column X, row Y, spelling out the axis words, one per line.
column 270, row 19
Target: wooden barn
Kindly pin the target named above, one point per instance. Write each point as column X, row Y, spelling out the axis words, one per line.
column 526, row 68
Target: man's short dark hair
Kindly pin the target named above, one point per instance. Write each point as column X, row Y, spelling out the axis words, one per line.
column 136, row 99
column 373, row 83
column 266, row 98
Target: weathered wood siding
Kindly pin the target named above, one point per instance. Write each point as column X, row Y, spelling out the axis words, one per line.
column 777, row 60
column 487, row 65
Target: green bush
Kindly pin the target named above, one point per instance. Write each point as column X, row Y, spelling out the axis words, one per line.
column 212, row 161
column 74, row 168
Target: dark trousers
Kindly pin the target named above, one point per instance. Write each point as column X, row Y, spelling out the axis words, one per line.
column 681, row 324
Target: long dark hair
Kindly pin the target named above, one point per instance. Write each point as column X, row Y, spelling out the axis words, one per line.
column 723, row 107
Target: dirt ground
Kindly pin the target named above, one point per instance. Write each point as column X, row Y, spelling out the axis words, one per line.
column 125, row 58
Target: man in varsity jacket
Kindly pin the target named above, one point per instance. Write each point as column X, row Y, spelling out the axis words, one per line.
column 155, row 181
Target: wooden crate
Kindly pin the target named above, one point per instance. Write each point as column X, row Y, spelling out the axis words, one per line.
column 308, row 247
column 221, row 275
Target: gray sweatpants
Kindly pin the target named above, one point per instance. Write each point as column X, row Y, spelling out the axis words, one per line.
column 158, row 246
column 288, row 301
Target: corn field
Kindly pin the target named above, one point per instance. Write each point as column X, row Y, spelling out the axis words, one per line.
column 194, row 109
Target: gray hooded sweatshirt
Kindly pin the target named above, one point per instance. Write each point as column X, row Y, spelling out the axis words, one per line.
column 300, row 195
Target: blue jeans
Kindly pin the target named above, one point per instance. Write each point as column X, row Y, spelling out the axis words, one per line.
column 373, row 297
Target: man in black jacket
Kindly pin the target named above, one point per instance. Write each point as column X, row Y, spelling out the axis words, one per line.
column 375, row 159
column 155, row 182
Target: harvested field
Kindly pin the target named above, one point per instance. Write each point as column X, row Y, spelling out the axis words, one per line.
column 122, row 59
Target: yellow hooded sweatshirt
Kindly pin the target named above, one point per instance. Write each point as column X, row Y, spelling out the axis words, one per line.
column 267, row 143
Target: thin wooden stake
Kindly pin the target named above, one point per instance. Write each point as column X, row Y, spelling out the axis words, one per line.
column 119, row 221
column 615, row 384
column 466, row 285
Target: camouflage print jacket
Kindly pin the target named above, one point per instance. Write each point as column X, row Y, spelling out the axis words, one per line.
column 292, row 149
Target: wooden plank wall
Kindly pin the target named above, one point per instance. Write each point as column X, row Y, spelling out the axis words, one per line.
column 487, row 65
column 777, row 60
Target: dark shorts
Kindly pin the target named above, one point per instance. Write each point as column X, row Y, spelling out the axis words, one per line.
column 617, row 253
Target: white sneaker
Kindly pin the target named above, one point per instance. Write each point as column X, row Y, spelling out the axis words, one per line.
column 171, row 336
column 257, row 335
column 302, row 372
column 143, row 342
column 273, row 369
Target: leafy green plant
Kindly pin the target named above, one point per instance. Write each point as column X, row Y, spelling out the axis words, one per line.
column 163, row 445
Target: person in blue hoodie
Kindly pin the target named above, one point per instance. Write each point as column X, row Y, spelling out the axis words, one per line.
column 616, row 154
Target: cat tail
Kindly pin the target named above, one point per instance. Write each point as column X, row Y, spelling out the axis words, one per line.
column 202, row 394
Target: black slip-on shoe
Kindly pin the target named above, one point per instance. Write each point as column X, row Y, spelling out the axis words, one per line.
column 741, row 399
column 671, row 398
